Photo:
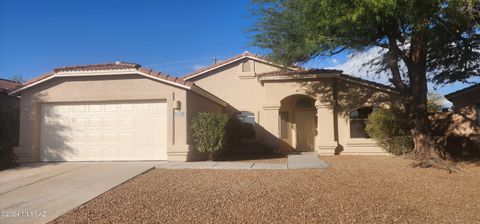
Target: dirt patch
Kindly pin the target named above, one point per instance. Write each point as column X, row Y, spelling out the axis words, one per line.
column 355, row 189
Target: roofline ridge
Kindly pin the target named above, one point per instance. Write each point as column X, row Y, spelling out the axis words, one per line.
column 228, row 61
column 9, row 80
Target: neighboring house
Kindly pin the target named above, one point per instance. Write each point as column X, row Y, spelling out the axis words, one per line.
column 123, row 111
column 460, row 129
column 8, row 102
column 467, row 101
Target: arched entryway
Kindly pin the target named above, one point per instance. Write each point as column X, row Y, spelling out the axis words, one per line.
column 297, row 123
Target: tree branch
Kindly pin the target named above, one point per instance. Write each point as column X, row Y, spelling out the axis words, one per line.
column 396, row 75
column 382, row 45
column 338, row 51
column 393, row 46
column 396, row 79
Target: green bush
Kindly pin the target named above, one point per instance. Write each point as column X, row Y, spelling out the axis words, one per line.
column 389, row 127
column 8, row 137
column 212, row 132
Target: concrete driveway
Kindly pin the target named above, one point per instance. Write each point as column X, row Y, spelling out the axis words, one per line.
column 40, row 192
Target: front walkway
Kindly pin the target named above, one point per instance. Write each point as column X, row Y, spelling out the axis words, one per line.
column 303, row 161
column 40, row 192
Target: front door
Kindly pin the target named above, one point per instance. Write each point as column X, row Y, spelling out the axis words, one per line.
column 305, row 128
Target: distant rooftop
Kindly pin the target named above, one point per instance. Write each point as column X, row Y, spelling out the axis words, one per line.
column 7, row 85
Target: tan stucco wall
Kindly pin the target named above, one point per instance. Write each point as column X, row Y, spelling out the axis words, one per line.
column 351, row 96
column 244, row 92
column 197, row 104
column 241, row 90
column 348, row 95
column 289, row 106
column 234, row 86
column 465, row 103
column 104, row 88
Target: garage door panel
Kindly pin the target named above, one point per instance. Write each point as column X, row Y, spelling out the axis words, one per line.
column 104, row 131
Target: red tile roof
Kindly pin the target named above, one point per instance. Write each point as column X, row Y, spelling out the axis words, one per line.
column 36, row 79
column 319, row 72
column 357, row 79
column 7, row 85
column 109, row 66
column 97, row 67
column 165, row 76
column 227, row 61
column 298, row 72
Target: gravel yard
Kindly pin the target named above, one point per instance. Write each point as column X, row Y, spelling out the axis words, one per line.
column 354, row 189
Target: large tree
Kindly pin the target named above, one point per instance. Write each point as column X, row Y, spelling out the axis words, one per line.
column 422, row 40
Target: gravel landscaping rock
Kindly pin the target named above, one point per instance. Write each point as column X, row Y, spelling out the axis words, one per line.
column 354, row 189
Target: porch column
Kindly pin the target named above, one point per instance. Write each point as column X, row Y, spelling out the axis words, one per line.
column 325, row 139
column 270, row 123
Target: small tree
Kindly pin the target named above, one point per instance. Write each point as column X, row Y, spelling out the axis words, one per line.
column 389, row 127
column 17, row 78
column 211, row 133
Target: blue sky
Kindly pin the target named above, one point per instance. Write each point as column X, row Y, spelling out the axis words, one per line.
column 174, row 37
column 36, row 36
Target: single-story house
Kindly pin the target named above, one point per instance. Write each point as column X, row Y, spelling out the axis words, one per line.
column 123, row 111
column 460, row 128
column 467, row 101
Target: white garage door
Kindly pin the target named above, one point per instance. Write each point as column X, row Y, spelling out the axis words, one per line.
column 104, row 131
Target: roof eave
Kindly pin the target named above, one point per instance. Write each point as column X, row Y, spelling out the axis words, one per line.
column 191, row 76
column 462, row 91
column 327, row 75
column 296, row 77
column 96, row 73
column 140, row 71
column 208, row 95
column 372, row 85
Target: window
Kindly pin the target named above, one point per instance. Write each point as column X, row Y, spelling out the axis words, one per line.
column 246, row 67
column 358, row 122
column 248, row 125
column 284, row 125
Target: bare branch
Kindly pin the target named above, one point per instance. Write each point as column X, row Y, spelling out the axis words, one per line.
column 338, row 51
column 396, row 75
column 396, row 79
column 382, row 45
column 393, row 46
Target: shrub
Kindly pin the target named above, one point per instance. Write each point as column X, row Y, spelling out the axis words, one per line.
column 212, row 132
column 391, row 130
column 8, row 137
column 234, row 128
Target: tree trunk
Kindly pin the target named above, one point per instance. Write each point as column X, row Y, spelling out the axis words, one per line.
column 425, row 147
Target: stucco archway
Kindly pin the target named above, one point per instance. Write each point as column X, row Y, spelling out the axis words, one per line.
column 297, row 123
